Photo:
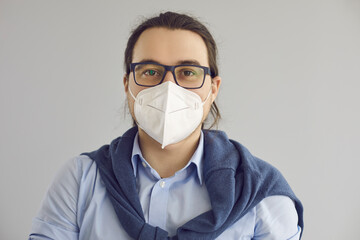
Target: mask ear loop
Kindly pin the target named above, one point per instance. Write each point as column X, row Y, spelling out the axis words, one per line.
column 197, row 105
column 207, row 97
column 135, row 99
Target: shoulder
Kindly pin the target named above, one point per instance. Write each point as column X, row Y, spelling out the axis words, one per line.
column 72, row 176
column 252, row 175
column 58, row 214
column 75, row 169
column 276, row 218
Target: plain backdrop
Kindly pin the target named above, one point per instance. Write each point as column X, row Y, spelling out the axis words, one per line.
column 290, row 93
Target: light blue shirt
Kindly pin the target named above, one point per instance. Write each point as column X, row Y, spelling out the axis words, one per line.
column 77, row 205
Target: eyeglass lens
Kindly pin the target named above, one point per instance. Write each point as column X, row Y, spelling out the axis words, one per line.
column 152, row 74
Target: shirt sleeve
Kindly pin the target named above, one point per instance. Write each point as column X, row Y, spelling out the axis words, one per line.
column 276, row 219
column 57, row 217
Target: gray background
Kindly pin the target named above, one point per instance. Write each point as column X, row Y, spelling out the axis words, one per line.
column 290, row 93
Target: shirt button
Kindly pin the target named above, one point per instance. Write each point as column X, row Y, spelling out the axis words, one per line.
column 162, row 184
column 144, row 164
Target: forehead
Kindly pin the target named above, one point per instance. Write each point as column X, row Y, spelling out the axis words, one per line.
column 168, row 46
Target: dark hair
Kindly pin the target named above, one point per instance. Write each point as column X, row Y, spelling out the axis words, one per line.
column 172, row 20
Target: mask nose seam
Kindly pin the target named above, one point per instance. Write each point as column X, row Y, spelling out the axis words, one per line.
column 196, row 105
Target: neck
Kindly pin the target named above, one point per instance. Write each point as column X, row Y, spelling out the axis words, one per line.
column 173, row 157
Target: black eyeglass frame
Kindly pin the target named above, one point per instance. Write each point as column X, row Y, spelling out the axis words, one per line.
column 172, row 70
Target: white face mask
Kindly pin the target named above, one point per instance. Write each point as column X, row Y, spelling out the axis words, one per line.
column 168, row 113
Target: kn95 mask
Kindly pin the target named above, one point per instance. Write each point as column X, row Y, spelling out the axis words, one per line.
column 167, row 112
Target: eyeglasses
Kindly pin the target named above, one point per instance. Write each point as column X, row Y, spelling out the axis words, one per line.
column 149, row 74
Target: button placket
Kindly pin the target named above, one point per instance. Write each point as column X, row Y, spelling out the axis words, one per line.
column 158, row 204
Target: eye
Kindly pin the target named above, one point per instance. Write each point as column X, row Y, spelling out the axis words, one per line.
column 188, row 73
column 150, row 72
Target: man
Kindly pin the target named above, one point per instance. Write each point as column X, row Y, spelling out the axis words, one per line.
column 168, row 177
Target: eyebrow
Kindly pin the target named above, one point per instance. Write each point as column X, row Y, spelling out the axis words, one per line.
column 181, row 62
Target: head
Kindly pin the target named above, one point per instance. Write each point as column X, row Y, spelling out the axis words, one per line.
column 169, row 27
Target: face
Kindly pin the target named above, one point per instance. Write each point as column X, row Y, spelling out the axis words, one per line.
column 172, row 47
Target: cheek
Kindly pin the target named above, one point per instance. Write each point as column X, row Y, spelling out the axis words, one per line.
column 135, row 89
column 203, row 92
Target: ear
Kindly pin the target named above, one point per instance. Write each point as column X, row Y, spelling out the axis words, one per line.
column 126, row 83
column 215, row 86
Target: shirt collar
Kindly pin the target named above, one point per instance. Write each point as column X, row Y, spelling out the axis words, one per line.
column 196, row 159
column 136, row 154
